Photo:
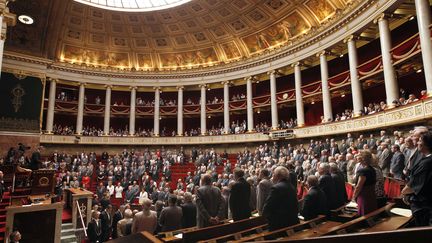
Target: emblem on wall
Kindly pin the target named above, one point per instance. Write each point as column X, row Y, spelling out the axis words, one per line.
column 17, row 93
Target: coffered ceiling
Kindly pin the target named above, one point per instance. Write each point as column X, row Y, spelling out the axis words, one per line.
column 197, row 34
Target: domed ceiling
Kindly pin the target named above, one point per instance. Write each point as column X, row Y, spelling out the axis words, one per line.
column 199, row 33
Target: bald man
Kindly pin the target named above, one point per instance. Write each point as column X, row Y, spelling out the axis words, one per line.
column 281, row 206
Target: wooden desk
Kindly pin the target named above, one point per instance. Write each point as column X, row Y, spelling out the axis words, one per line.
column 84, row 199
column 34, row 199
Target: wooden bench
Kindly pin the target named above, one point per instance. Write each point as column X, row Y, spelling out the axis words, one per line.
column 142, row 237
column 288, row 231
column 224, row 229
column 362, row 223
column 238, row 235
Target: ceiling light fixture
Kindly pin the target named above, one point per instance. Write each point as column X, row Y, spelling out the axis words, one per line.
column 341, row 55
column 419, row 71
column 25, row 19
column 411, row 18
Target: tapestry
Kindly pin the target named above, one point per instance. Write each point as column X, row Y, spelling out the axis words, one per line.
column 20, row 99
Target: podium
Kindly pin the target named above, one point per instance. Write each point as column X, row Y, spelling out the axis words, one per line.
column 83, row 198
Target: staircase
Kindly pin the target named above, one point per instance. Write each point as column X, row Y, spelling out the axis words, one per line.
column 68, row 233
column 3, row 205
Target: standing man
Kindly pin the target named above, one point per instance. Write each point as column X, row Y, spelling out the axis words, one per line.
column 281, row 206
column 263, row 189
column 171, row 216
column 209, row 203
column 106, row 222
column 239, row 201
column 94, row 230
column 36, row 159
column 118, row 215
column 397, row 162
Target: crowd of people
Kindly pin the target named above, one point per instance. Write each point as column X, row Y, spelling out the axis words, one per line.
column 265, row 179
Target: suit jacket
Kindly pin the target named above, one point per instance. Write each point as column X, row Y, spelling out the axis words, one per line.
column 384, row 161
column 341, row 194
column 189, row 215
column 263, row 190
column 327, row 185
column 314, row 204
column 94, row 231
column 106, row 222
column 116, row 218
column 209, row 203
column 142, row 222
column 171, row 218
column 239, row 200
column 281, row 206
column 397, row 165
column 123, row 227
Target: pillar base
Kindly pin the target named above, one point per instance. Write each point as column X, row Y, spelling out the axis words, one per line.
column 49, row 133
column 156, row 135
column 390, row 106
column 179, row 135
column 131, row 135
column 275, row 128
column 250, row 131
column 358, row 114
column 301, row 125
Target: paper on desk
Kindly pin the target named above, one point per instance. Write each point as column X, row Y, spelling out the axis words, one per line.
column 179, row 236
column 401, row 212
column 352, row 205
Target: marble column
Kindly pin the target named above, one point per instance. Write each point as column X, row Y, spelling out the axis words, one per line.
column 298, row 95
column 132, row 111
column 156, row 117
column 203, row 103
column 250, row 121
column 107, row 110
column 180, row 111
column 6, row 19
column 423, row 21
column 51, row 104
column 226, row 107
column 327, row 106
column 356, row 87
column 390, row 81
column 273, row 100
column 79, row 122
column 3, row 26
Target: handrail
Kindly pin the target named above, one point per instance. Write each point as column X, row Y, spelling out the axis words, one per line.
column 82, row 219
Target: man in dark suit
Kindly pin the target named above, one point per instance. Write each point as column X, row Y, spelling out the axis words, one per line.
column 315, row 202
column 189, row 211
column 118, row 215
column 327, row 185
column 94, row 231
column 397, row 163
column 339, row 182
column 281, row 206
column 106, row 222
column 263, row 189
column 209, row 203
column 240, row 196
column 35, row 160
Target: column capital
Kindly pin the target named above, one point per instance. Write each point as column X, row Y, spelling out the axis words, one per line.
column 275, row 72
column 156, row 88
column 382, row 16
column 351, row 38
column 53, row 80
column 180, row 87
column 297, row 64
column 82, row 84
column 202, row 86
column 108, row 86
column 133, row 87
column 323, row 53
column 226, row 82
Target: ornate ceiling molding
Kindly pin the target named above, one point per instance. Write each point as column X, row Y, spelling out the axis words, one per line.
column 361, row 13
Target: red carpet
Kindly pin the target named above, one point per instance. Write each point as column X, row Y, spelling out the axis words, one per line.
column 67, row 216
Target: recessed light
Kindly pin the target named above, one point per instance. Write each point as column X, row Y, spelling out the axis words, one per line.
column 343, row 95
column 419, row 71
column 25, row 19
column 341, row 55
column 411, row 18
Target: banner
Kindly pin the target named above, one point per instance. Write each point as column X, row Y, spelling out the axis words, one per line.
column 20, row 99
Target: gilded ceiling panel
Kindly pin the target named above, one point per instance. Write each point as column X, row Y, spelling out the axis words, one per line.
column 196, row 34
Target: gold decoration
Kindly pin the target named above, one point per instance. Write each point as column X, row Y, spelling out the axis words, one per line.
column 18, row 92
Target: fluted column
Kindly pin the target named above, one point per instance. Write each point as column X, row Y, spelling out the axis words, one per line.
column 180, row 111
column 327, row 106
column 298, row 95
column 390, row 81
column 203, row 110
column 6, row 19
column 356, row 88
column 79, row 123
column 226, row 107
column 424, row 21
column 132, row 111
column 51, row 104
column 250, row 121
column 156, row 117
column 107, row 110
column 273, row 100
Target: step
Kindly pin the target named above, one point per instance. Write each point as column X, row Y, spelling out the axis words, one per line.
column 67, row 232
column 67, row 226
